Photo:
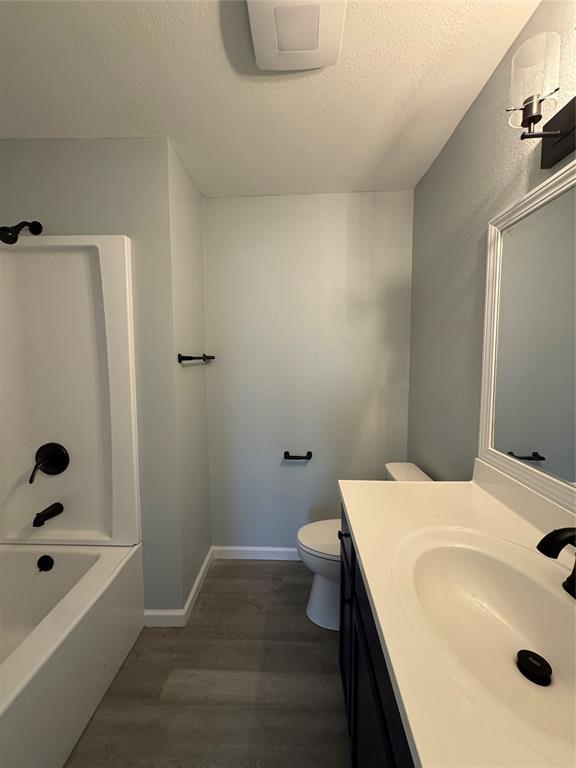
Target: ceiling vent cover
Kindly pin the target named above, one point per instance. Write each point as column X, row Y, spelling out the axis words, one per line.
column 295, row 34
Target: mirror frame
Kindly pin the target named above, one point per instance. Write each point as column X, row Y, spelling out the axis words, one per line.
column 560, row 491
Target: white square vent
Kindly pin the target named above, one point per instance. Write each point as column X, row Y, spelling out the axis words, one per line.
column 292, row 34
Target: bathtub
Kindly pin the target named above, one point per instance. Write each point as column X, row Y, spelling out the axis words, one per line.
column 64, row 633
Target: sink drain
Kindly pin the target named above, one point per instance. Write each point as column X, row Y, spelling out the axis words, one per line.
column 534, row 667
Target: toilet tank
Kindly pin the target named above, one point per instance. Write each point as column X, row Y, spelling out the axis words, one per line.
column 405, row 471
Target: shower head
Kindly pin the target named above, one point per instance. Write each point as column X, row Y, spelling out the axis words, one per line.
column 10, row 235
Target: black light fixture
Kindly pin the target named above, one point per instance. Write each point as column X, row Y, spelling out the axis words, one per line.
column 534, row 83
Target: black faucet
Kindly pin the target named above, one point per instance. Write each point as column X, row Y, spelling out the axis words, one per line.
column 47, row 514
column 551, row 546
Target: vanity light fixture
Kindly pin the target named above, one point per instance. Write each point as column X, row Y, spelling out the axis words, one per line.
column 534, row 81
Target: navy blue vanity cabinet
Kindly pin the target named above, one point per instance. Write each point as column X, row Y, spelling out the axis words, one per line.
column 346, row 616
column 376, row 730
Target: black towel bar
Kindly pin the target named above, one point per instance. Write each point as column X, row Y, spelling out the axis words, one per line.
column 289, row 457
column 204, row 358
column 534, row 456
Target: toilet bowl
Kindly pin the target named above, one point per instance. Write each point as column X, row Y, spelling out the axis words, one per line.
column 319, row 549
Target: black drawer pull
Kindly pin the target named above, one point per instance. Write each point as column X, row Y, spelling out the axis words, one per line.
column 343, row 535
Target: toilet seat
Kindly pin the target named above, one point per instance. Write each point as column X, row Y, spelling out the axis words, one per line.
column 320, row 539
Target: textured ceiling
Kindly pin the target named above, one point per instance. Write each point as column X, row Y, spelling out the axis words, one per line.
column 376, row 120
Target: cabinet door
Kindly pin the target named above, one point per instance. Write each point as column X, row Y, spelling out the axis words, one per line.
column 346, row 633
column 370, row 743
column 384, row 692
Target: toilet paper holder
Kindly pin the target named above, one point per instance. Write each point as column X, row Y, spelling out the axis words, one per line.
column 290, row 457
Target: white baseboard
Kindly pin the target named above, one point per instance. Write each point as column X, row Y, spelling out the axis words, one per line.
column 255, row 553
column 178, row 617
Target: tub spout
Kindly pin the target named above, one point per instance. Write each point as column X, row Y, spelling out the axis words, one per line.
column 47, row 514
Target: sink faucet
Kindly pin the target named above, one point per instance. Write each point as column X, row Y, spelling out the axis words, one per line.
column 551, row 546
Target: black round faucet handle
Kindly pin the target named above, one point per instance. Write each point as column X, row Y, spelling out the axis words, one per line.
column 51, row 458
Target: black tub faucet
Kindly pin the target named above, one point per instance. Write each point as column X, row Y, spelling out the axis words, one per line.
column 551, row 546
column 47, row 514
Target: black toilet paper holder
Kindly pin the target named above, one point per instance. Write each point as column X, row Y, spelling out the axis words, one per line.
column 290, row 457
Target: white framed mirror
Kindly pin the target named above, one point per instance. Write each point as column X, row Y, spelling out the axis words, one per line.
column 528, row 410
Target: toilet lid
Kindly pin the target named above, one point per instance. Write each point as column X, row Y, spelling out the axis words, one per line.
column 321, row 538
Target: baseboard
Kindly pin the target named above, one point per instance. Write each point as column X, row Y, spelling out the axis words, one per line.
column 178, row 617
column 255, row 553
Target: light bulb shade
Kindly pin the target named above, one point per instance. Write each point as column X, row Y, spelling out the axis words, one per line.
column 535, row 72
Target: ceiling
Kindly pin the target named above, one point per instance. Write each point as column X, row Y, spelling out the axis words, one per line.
column 375, row 121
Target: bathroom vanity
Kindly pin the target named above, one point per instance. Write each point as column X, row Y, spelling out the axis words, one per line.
column 448, row 587
column 442, row 585
column 374, row 722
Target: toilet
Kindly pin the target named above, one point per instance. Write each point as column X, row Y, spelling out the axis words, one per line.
column 319, row 549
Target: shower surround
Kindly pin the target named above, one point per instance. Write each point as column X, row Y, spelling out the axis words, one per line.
column 71, row 589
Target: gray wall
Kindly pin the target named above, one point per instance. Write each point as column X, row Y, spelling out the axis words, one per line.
column 125, row 186
column 483, row 168
column 308, row 315
column 187, row 243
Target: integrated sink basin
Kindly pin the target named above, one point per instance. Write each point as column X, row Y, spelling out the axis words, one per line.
column 475, row 600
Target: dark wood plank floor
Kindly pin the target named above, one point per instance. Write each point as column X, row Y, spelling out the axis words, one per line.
column 249, row 683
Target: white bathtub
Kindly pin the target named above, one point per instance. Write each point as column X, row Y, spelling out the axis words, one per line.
column 63, row 635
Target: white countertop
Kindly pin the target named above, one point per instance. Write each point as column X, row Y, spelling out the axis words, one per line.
column 445, row 724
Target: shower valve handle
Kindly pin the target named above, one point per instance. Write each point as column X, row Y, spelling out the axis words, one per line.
column 51, row 458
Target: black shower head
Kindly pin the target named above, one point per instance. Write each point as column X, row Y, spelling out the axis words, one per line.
column 10, row 235
column 34, row 227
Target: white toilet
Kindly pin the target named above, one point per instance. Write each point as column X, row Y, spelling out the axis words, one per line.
column 319, row 549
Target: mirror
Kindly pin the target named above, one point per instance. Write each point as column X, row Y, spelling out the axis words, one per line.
column 528, row 414
column 535, row 394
